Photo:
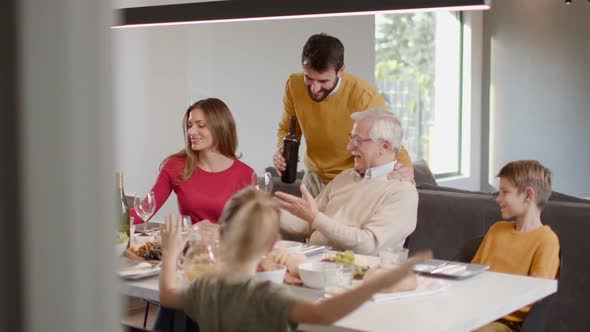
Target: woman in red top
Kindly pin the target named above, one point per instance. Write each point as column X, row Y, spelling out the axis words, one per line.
column 207, row 172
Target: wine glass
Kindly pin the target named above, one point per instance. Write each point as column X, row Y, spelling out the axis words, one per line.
column 186, row 222
column 145, row 207
column 263, row 182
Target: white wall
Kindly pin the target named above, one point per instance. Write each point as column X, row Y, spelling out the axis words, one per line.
column 159, row 71
column 539, row 93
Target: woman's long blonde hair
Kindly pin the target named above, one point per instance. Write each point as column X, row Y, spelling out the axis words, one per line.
column 249, row 225
column 222, row 125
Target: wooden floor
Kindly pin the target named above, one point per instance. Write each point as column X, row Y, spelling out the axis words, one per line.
column 135, row 313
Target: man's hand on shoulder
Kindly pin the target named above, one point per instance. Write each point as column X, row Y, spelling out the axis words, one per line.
column 303, row 207
column 402, row 172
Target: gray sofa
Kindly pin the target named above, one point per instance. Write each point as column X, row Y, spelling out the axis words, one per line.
column 448, row 218
column 278, row 185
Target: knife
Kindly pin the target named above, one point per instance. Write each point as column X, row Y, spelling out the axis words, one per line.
column 312, row 249
column 444, row 267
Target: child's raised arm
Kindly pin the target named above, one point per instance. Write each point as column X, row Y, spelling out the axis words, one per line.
column 171, row 247
column 330, row 310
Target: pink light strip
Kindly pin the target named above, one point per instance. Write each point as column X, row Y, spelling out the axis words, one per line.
column 267, row 18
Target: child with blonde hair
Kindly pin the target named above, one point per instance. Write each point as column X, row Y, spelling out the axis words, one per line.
column 525, row 246
column 230, row 299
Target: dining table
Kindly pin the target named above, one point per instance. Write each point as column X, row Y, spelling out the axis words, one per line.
column 462, row 305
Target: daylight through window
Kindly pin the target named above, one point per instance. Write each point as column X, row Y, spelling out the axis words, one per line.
column 418, row 72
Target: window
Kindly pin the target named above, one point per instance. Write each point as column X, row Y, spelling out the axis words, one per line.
column 418, row 72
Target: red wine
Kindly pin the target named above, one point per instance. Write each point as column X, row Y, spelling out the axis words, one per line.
column 290, row 153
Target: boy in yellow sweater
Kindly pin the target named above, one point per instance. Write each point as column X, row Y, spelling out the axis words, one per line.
column 526, row 246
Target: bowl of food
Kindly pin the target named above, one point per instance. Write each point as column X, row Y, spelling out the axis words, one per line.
column 315, row 274
column 287, row 246
column 268, row 269
column 348, row 257
column 274, row 273
column 145, row 236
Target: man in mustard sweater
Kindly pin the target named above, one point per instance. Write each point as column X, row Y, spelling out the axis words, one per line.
column 360, row 209
column 322, row 98
column 525, row 246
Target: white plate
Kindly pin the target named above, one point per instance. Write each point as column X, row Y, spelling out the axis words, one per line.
column 288, row 245
column 448, row 269
column 426, row 286
column 141, row 270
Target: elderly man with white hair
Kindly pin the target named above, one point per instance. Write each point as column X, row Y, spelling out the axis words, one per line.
column 360, row 209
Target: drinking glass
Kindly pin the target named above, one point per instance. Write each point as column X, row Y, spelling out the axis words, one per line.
column 186, row 222
column 145, row 207
column 345, row 274
column 337, row 278
column 263, row 182
column 393, row 256
column 203, row 252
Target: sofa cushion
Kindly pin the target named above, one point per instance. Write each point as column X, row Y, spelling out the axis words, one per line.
column 555, row 196
column 289, row 188
column 422, row 173
column 571, row 223
column 559, row 197
column 450, row 189
column 447, row 220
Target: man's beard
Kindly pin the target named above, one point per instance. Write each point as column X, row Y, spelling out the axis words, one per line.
column 324, row 95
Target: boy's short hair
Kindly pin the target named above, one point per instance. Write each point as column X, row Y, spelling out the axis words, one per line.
column 529, row 173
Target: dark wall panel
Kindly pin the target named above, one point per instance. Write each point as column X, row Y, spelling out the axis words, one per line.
column 11, row 301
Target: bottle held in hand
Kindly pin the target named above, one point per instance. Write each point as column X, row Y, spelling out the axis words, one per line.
column 290, row 153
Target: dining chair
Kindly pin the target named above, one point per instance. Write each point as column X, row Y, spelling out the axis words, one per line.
column 128, row 328
column 147, row 310
column 172, row 320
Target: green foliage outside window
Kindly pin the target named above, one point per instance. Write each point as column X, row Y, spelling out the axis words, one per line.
column 404, row 73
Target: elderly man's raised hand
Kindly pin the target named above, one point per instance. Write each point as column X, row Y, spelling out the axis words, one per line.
column 303, row 207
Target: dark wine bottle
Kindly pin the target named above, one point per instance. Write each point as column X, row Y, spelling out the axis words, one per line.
column 290, row 153
column 122, row 208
